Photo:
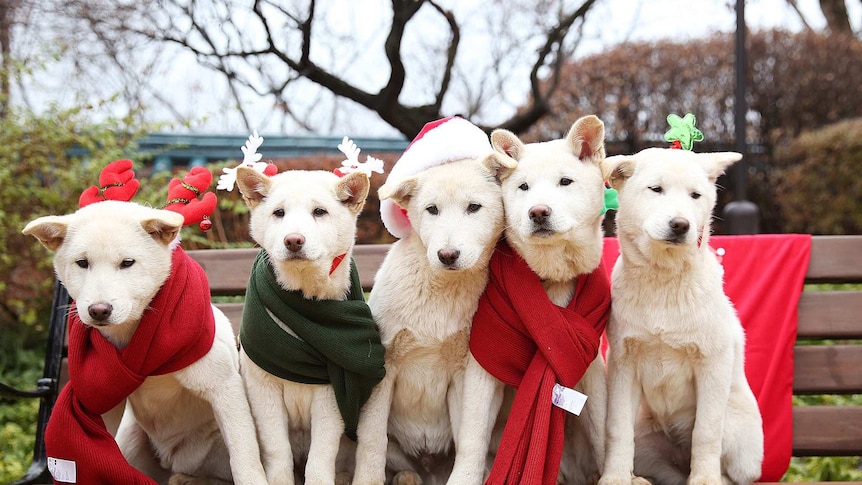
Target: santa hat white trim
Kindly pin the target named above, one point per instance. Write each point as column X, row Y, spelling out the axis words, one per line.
column 442, row 141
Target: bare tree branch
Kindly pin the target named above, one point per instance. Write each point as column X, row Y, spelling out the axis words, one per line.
column 279, row 44
column 539, row 104
column 836, row 15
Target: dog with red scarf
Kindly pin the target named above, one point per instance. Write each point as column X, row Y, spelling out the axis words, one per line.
column 539, row 323
column 142, row 330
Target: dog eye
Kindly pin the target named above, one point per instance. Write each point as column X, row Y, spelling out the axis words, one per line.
column 473, row 208
column 278, row 213
column 565, row 181
column 320, row 212
column 695, row 195
column 432, row 209
column 657, row 189
column 524, row 186
column 127, row 263
column 82, row 263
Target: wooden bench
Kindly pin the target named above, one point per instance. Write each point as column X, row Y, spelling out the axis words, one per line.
column 830, row 367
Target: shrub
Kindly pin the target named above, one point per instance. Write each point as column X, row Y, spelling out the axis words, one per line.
column 46, row 161
column 816, row 184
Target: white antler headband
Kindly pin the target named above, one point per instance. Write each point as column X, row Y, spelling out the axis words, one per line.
column 250, row 159
column 352, row 164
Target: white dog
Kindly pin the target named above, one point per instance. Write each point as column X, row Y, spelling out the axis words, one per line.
column 193, row 423
column 424, row 298
column 675, row 363
column 305, row 221
column 553, row 202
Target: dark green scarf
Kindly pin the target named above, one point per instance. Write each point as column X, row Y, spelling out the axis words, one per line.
column 340, row 342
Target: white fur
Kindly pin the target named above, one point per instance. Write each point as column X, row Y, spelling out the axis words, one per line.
column 562, row 179
column 680, row 408
column 423, row 301
column 321, row 208
column 171, row 422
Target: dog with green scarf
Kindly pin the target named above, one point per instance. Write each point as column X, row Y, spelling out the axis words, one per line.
column 311, row 352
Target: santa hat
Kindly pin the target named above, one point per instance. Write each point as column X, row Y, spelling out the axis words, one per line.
column 442, row 141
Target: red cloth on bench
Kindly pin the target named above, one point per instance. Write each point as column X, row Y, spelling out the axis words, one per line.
column 763, row 277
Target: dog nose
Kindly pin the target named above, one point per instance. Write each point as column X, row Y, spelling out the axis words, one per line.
column 540, row 213
column 294, row 242
column 100, row 311
column 679, row 226
column 448, row 256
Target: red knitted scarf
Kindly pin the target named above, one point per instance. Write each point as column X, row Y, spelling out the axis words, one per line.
column 520, row 337
column 176, row 330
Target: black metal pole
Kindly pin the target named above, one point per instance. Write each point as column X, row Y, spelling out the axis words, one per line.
column 741, row 215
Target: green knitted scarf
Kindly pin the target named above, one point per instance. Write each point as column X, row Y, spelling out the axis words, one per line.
column 340, row 342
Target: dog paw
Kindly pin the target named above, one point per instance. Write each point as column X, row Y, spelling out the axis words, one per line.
column 343, row 478
column 629, row 480
column 704, row 480
column 406, row 478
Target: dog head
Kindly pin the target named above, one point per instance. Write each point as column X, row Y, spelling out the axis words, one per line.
column 554, row 199
column 455, row 209
column 666, row 196
column 112, row 257
column 303, row 219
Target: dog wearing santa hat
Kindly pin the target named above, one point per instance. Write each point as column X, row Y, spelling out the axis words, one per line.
column 443, row 201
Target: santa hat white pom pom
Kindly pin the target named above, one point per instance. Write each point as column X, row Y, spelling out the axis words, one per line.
column 442, row 141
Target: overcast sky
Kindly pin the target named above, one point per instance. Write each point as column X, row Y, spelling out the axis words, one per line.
column 609, row 22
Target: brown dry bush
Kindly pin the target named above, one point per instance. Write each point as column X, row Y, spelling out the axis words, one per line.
column 818, row 188
column 796, row 82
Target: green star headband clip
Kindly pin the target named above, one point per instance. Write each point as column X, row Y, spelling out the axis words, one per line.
column 682, row 133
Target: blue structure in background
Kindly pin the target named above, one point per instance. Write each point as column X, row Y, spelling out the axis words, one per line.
column 169, row 150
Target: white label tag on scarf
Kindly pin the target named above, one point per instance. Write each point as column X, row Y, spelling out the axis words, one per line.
column 568, row 399
column 63, row 470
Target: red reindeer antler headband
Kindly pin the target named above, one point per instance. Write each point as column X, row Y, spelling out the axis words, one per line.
column 117, row 182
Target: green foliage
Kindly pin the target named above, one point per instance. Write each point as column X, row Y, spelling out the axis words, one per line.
column 817, row 185
column 20, row 368
column 823, row 469
column 46, row 161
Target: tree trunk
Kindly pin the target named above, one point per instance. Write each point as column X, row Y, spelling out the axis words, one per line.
column 6, row 10
column 837, row 19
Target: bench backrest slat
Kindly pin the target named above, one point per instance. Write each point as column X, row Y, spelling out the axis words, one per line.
column 835, row 259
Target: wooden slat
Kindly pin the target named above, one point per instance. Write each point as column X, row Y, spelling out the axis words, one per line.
column 368, row 259
column 827, row 369
column 827, row 430
column 233, row 311
column 830, row 315
column 835, row 259
column 227, row 269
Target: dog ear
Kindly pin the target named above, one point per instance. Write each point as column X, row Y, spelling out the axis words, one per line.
column 500, row 165
column 252, row 184
column 352, row 189
column 505, row 141
column 399, row 192
column 587, row 138
column 163, row 226
column 49, row 230
column 717, row 162
column 617, row 169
